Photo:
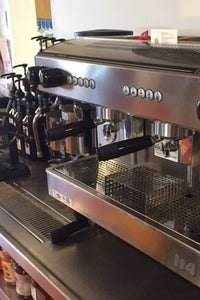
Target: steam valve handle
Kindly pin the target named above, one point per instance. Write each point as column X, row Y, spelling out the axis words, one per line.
column 32, row 75
column 52, row 77
column 121, row 148
column 24, row 66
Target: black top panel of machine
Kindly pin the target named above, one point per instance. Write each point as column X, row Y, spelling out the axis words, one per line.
column 181, row 57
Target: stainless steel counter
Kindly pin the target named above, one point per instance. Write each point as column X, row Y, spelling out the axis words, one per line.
column 93, row 265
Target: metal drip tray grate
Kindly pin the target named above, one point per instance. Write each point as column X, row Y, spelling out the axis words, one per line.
column 142, row 188
column 162, row 198
column 34, row 216
column 90, row 171
column 182, row 215
column 138, row 48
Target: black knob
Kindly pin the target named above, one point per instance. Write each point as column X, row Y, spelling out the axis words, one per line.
column 33, row 75
column 52, row 77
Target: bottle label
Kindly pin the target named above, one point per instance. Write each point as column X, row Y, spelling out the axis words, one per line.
column 33, row 292
column 27, row 148
column 23, row 284
column 9, row 271
column 11, row 121
column 18, row 144
column 25, row 130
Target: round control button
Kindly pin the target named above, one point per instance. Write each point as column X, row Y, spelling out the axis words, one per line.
column 133, row 91
column 158, row 96
column 126, row 90
column 75, row 80
column 92, row 84
column 141, row 93
column 149, row 94
column 86, row 82
column 80, row 81
column 69, row 79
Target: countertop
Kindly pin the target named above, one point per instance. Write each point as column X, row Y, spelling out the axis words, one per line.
column 92, row 265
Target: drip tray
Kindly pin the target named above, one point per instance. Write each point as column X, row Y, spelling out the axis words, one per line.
column 34, row 216
column 161, row 198
column 149, row 211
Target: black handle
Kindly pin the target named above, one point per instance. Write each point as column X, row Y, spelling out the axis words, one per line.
column 124, row 147
column 62, row 233
column 64, row 131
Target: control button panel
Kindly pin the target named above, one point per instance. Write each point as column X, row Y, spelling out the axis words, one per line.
column 142, row 93
column 133, row 92
column 82, row 82
column 86, row 82
column 75, row 80
column 92, row 84
column 158, row 96
column 149, row 94
column 126, row 90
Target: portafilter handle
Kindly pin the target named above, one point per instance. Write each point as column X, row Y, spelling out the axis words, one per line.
column 121, row 148
column 67, row 130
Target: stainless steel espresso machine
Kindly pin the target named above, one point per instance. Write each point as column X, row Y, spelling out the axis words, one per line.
column 140, row 179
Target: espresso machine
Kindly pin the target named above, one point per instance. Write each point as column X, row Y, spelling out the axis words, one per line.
column 139, row 179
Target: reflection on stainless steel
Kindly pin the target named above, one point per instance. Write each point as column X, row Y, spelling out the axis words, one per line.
column 150, row 198
column 107, row 114
column 81, row 143
column 54, row 118
column 167, row 130
column 36, row 133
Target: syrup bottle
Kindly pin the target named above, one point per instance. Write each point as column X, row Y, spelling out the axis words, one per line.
column 18, row 116
column 8, row 265
column 29, row 141
column 1, row 267
column 12, row 91
column 23, row 282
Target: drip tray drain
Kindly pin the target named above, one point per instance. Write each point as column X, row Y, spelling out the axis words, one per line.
column 34, row 216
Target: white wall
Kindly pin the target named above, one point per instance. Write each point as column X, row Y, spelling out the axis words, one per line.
column 137, row 15
column 22, row 26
